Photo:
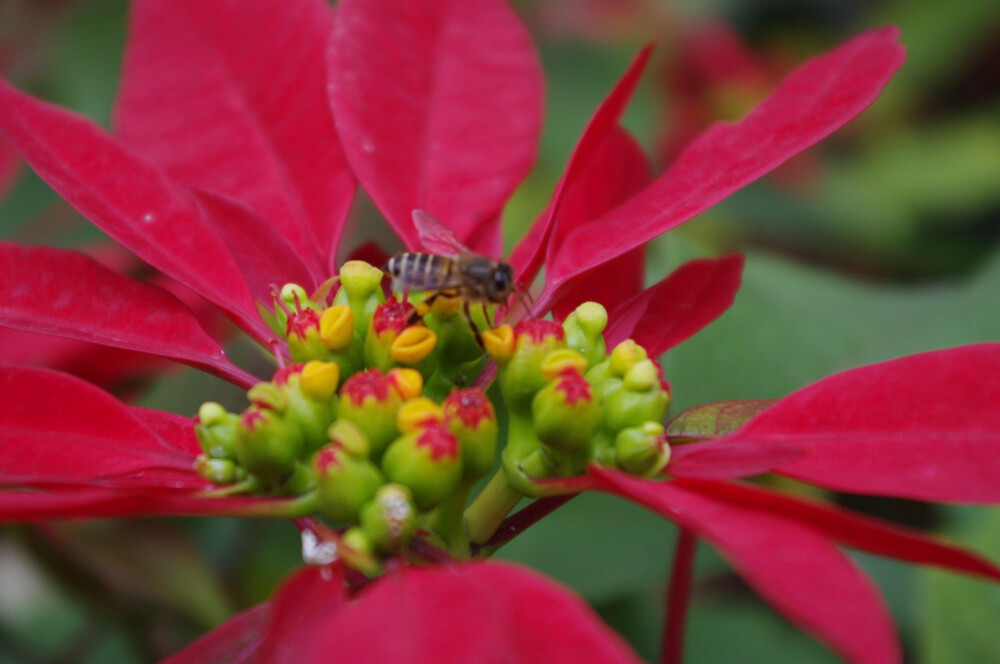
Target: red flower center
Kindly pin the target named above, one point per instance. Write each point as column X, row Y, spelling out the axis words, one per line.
column 439, row 441
column 367, row 383
column 301, row 321
column 469, row 406
column 574, row 386
column 391, row 315
column 538, row 330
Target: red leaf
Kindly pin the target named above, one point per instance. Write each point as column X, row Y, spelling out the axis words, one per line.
column 527, row 257
column 617, row 170
column 925, row 426
column 794, row 566
column 56, row 429
column 130, row 200
column 305, row 604
column 475, row 612
column 678, row 306
column 67, row 294
column 854, row 530
column 726, row 460
column 439, row 106
column 815, row 100
column 233, row 642
column 230, row 97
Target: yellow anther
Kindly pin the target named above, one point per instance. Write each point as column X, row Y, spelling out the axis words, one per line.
column 625, row 356
column 336, row 327
column 445, row 306
column 349, row 436
column 413, row 344
column 499, row 342
column 360, row 277
column 408, row 382
column 417, row 413
column 320, row 379
column 562, row 359
column 642, row 377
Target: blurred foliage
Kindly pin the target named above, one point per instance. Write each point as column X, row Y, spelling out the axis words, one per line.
column 880, row 242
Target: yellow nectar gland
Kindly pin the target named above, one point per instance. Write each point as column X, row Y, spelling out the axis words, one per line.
column 563, row 359
column 408, row 382
column 445, row 306
column 320, row 379
column 499, row 342
column 418, row 413
column 413, row 344
column 336, row 327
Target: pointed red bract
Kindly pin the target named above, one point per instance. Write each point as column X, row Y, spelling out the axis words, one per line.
column 304, row 605
column 678, row 306
column 233, row 642
column 726, row 460
column 65, row 293
column 925, row 426
column 129, row 199
column 438, row 105
column 793, row 565
column 816, row 99
column 617, row 170
column 230, row 97
column 474, row 612
column 528, row 255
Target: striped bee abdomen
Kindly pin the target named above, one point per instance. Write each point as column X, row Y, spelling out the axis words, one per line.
column 420, row 272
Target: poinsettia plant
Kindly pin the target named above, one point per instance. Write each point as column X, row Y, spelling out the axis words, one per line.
column 400, row 432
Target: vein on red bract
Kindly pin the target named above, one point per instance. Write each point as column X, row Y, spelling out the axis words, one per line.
column 793, row 565
column 617, row 170
column 438, row 105
column 534, row 248
column 816, row 99
column 678, row 306
column 304, row 605
column 233, row 642
column 924, row 426
column 67, row 294
column 230, row 97
column 473, row 612
column 130, row 200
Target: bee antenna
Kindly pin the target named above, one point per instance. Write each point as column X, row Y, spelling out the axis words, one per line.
column 522, row 294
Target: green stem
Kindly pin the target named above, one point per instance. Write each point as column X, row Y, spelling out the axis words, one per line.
column 249, row 485
column 491, row 507
column 450, row 521
column 302, row 506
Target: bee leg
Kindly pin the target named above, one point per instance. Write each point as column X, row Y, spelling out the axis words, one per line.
column 472, row 324
column 420, row 310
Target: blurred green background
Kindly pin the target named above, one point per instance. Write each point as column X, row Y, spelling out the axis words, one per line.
column 883, row 241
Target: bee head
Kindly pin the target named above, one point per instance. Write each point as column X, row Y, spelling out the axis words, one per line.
column 502, row 283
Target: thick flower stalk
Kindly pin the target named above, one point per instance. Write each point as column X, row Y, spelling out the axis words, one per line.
column 232, row 170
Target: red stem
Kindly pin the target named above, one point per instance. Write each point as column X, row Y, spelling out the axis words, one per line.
column 678, row 598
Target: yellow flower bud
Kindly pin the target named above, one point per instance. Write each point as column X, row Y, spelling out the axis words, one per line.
column 413, row 344
column 499, row 342
column 408, row 382
column 336, row 327
column 320, row 379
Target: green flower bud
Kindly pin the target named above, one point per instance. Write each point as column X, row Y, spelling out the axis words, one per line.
column 217, row 471
column 344, row 481
column 356, row 539
column 267, row 445
column 520, row 377
column 469, row 415
column 625, row 356
column 642, row 450
column 456, row 342
column 215, row 430
column 303, row 396
column 584, row 329
column 389, row 520
column 292, row 297
column 640, row 398
column 371, row 400
column 565, row 413
column 300, row 482
column 361, row 290
column 427, row 461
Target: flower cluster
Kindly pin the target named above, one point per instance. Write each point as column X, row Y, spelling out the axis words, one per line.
column 233, row 165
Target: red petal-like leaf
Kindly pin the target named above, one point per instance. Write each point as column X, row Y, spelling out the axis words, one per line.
column 306, row 603
column 67, row 294
column 129, row 199
column 726, row 460
column 475, row 612
column 676, row 307
column 617, row 170
column 794, row 566
column 266, row 258
column 925, row 426
column 439, row 106
column 853, row 530
column 56, row 429
column 230, row 97
column 528, row 255
column 233, row 642
column 815, row 100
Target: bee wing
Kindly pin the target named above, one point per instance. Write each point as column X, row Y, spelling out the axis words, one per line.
column 436, row 237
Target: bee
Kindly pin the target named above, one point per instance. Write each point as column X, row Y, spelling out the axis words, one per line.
column 450, row 269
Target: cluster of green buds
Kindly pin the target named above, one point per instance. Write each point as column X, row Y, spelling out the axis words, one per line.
column 370, row 427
